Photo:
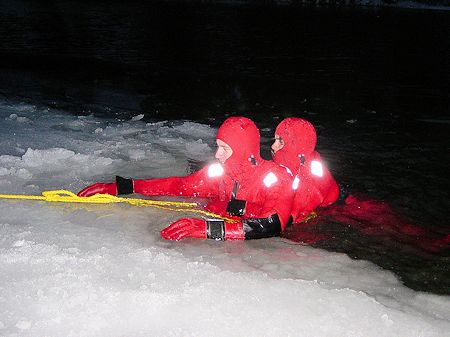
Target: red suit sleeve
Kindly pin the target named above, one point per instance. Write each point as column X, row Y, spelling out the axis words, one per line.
column 316, row 187
column 325, row 184
column 198, row 184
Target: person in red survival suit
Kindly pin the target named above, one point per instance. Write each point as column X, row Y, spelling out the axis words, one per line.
column 255, row 191
column 295, row 141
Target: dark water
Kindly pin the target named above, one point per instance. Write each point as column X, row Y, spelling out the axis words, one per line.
column 375, row 82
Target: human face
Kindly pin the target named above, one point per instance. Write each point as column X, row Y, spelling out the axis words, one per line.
column 223, row 152
column 277, row 144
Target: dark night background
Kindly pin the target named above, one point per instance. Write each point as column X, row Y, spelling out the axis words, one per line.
column 373, row 80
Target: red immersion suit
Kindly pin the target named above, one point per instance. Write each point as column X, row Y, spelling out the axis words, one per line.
column 316, row 187
column 313, row 183
column 263, row 185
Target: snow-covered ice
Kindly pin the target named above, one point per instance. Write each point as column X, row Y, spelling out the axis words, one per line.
column 103, row 270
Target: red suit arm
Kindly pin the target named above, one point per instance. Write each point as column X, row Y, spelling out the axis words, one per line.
column 198, row 184
column 202, row 229
column 316, row 188
column 328, row 188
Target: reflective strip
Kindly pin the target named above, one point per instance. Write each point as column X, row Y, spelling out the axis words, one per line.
column 295, row 183
column 215, row 170
column 316, row 168
column 287, row 169
column 270, row 179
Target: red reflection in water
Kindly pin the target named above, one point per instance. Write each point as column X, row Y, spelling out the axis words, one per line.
column 371, row 218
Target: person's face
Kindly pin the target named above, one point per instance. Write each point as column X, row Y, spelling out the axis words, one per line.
column 277, row 144
column 223, row 152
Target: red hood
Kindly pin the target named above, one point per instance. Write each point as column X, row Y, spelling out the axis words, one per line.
column 299, row 138
column 242, row 135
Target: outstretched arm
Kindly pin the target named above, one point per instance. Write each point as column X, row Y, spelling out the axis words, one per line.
column 198, row 184
column 223, row 230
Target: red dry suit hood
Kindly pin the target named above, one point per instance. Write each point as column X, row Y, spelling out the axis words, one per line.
column 242, row 135
column 299, row 137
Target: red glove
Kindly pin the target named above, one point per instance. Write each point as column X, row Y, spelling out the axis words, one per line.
column 185, row 228
column 98, row 188
column 197, row 228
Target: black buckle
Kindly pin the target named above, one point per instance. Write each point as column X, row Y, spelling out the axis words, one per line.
column 215, row 229
column 236, row 207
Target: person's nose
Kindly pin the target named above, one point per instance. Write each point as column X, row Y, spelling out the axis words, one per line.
column 217, row 155
column 274, row 146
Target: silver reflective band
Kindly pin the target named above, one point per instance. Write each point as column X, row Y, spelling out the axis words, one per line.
column 295, row 183
column 316, row 168
column 215, row 170
column 215, row 229
column 270, row 179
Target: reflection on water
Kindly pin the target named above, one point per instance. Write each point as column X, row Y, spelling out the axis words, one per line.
column 375, row 83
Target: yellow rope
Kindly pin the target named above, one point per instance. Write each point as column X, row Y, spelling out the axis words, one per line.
column 67, row 196
column 308, row 217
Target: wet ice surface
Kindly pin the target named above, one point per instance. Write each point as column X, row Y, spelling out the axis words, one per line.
column 103, row 270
